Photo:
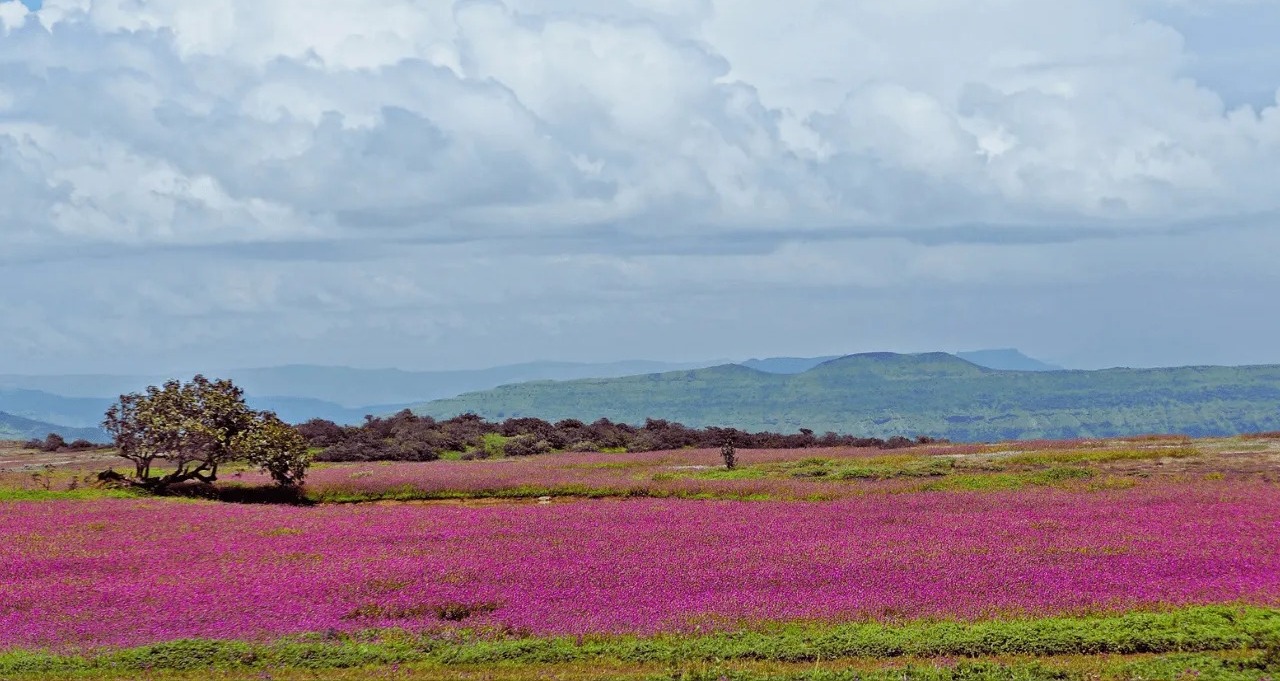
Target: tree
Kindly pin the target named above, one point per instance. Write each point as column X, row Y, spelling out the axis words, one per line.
column 276, row 448
column 53, row 442
column 321, row 432
column 729, row 454
column 197, row 427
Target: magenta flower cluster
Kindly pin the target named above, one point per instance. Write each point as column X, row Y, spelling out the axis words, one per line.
column 121, row 572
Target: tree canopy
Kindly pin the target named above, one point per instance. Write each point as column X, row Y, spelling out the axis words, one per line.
column 197, row 426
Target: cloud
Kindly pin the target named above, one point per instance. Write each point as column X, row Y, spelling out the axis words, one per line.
column 390, row 114
column 348, row 165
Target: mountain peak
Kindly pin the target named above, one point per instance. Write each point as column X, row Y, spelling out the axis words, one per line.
column 892, row 365
column 1007, row 359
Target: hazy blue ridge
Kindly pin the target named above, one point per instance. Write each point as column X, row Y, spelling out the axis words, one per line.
column 1006, row 358
column 344, row 394
column 300, row 409
column 786, row 365
column 37, row 405
column 87, row 412
column 296, row 393
column 1003, row 358
column 346, row 387
column 885, row 394
column 19, row 428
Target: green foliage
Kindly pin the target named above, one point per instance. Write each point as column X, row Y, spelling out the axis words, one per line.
column 491, row 444
column 190, row 425
column 273, row 446
column 887, row 395
column 198, row 426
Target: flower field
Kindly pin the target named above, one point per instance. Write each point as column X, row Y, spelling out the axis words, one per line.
column 811, row 564
column 78, row 574
column 785, row 474
column 815, row 474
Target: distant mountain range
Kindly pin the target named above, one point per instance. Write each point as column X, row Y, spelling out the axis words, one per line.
column 349, row 387
column 18, row 428
column 885, row 394
column 37, row 405
column 87, row 412
column 346, row 395
column 1004, row 358
column 296, row 392
column 1007, row 359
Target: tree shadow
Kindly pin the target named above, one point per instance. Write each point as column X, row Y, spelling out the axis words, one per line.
column 239, row 494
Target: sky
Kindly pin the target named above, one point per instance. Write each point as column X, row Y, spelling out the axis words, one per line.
column 187, row 185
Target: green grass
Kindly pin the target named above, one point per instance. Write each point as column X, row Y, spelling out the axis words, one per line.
column 1182, row 667
column 1186, row 630
column 493, row 445
column 1217, row 666
column 10, row 494
column 1078, row 456
column 981, row 482
column 942, row 474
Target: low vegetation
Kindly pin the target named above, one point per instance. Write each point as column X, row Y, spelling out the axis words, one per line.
column 54, row 442
column 408, row 437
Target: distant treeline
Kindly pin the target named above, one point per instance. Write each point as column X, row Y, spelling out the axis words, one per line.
column 54, row 442
column 408, row 437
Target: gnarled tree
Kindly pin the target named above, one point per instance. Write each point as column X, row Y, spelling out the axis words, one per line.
column 196, row 427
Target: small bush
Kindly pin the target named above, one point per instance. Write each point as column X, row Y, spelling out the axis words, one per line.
column 526, row 445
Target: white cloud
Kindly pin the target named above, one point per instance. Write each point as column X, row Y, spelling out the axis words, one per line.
column 704, row 116
column 647, row 141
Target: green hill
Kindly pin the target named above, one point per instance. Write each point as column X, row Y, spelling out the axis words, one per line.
column 886, row 394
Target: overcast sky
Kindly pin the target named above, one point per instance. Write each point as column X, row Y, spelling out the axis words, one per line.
column 188, row 184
